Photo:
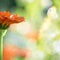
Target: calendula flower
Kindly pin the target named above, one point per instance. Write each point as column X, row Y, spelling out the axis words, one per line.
column 6, row 19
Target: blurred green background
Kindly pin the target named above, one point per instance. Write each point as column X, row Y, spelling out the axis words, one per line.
column 40, row 13
column 6, row 5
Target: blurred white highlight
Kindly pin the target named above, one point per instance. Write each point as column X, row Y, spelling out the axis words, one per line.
column 52, row 12
column 45, row 3
column 56, row 46
column 29, row 1
column 36, row 55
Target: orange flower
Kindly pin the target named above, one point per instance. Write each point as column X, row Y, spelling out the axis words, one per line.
column 10, row 51
column 6, row 18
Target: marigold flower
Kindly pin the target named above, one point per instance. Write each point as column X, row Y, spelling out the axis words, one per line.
column 6, row 19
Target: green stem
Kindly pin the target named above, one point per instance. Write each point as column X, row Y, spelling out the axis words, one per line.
column 1, row 42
